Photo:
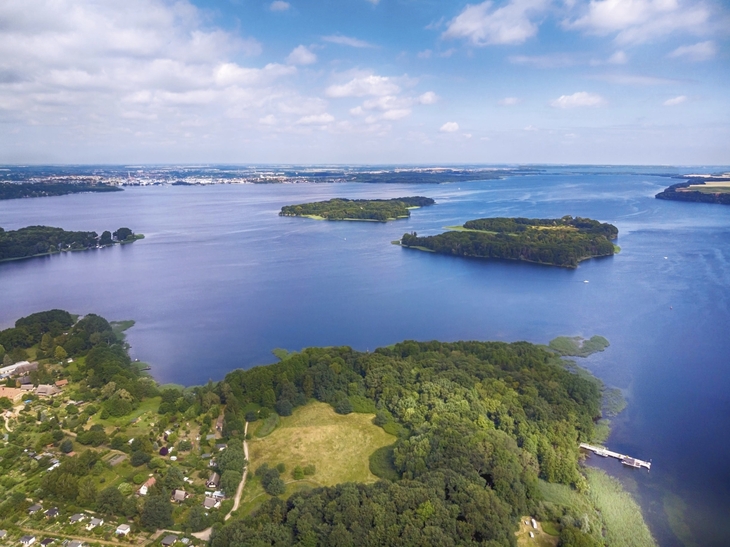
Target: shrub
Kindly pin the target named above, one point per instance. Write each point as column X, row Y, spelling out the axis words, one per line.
column 344, row 406
column 297, row 473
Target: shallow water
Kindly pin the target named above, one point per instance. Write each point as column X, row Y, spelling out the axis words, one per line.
column 221, row 280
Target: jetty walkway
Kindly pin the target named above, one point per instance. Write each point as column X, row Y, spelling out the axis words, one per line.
column 626, row 460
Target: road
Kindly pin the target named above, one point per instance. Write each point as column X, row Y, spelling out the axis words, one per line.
column 205, row 534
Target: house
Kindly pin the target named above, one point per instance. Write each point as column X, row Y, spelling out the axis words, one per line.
column 94, row 523
column 78, row 517
column 212, row 463
column 46, row 390
column 27, row 540
column 3, row 533
column 46, row 542
column 219, row 495
column 52, row 513
column 61, row 383
column 179, row 496
column 14, row 394
column 220, row 447
column 25, row 367
column 214, row 480
column 169, row 540
column 33, row 509
column 123, row 530
column 206, row 455
column 149, row 483
column 211, row 503
column 76, row 544
column 27, row 387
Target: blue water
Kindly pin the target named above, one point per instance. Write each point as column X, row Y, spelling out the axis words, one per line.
column 221, row 280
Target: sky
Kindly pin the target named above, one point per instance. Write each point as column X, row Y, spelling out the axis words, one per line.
column 365, row 81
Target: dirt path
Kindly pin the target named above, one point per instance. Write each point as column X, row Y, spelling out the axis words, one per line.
column 239, row 492
column 46, row 533
column 205, row 534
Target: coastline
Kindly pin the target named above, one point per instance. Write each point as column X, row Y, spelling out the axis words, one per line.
column 51, row 253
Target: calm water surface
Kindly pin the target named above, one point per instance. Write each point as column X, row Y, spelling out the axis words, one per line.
column 221, row 280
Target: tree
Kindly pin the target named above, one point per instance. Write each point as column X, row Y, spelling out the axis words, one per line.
column 87, row 491
column 67, row 446
column 284, row 407
column 229, row 481
column 46, row 342
column 344, row 406
column 157, row 513
column 110, row 501
column 139, row 458
column 2, row 350
column 106, row 238
column 60, row 353
column 5, row 403
column 173, row 478
column 123, row 233
column 232, row 458
column 197, row 520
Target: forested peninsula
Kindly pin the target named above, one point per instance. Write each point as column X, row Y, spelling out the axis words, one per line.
column 15, row 190
column 482, row 435
column 44, row 240
column 709, row 190
column 556, row 242
column 381, row 210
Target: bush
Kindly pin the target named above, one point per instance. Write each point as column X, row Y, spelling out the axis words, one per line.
column 67, row 446
column 344, row 407
column 310, row 469
column 284, row 407
column 139, row 458
column 252, row 416
column 184, row 445
column 298, row 473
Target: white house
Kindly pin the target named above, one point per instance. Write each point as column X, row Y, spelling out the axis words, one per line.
column 94, row 523
column 123, row 529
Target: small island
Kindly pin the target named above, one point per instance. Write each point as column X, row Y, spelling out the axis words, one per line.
column 16, row 190
column 35, row 241
column 560, row 242
column 378, row 210
column 699, row 190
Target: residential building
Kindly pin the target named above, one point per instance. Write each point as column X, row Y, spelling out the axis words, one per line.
column 211, row 503
column 123, row 529
column 149, row 483
column 46, row 390
column 78, row 517
column 33, row 509
column 52, row 513
column 179, row 496
column 169, row 540
column 27, row 540
column 214, row 480
column 94, row 523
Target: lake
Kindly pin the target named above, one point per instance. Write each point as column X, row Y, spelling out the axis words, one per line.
column 221, row 280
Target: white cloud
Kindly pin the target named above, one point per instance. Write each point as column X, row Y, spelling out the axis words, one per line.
column 425, row 54
column 366, row 85
column 674, row 101
column 638, row 21
column 279, row 5
column 449, row 127
column 633, row 79
column 396, row 113
column 428, row 98
column 316, row 119
column 268, row 120
column 301, row 55
column 510, row 101
column 482, row 25
column 346, row 41
column 701, row 51
column 618, row 58
column 531, row 128
column 557, row 60
column 577, row 100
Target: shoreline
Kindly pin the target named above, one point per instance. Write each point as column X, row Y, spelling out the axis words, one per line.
column 137, row 237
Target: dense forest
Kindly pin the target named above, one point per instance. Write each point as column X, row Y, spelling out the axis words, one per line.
column 14, row 190
column 477, row 423
column 41, row 240
column 358, row 209
column 556, row 242
column 675, row 193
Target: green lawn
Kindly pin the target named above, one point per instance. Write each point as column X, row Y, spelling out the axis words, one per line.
column 338, row 446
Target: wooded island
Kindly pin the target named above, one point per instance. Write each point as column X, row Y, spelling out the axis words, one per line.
column 15, row 190
column 709, row 190
column 381, row 210
column 44, row 240
column 556, row 242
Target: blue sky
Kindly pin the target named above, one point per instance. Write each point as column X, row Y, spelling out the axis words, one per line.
column 365, row 81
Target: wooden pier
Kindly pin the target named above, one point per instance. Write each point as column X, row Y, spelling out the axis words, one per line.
column 626, row 460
